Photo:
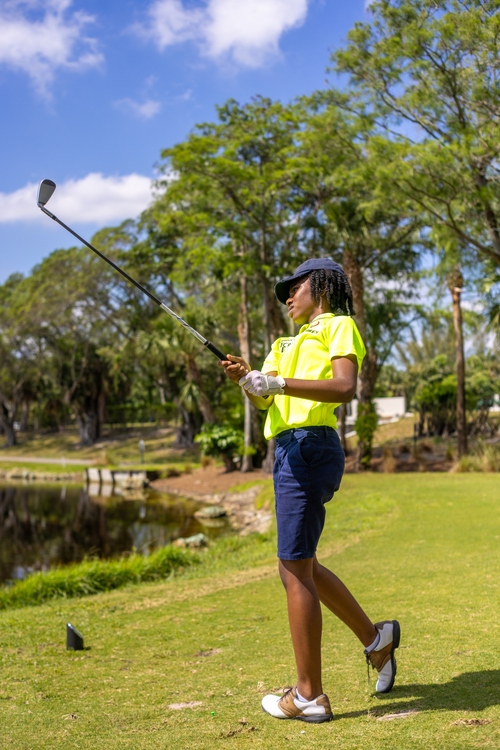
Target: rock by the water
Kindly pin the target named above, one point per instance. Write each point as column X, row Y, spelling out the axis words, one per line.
column 197, row 540
column 213, row 511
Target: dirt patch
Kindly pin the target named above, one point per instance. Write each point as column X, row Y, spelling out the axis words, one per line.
column 180, row 706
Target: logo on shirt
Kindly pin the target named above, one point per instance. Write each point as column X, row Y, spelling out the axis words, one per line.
column 284, row 344
column 314, row 327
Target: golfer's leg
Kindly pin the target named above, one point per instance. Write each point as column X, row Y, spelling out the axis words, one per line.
column 304, row 614
column 334, row 595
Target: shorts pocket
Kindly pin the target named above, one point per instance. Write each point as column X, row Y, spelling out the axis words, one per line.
column 310, row 449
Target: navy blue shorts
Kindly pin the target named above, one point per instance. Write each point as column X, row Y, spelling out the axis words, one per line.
column 308, row 469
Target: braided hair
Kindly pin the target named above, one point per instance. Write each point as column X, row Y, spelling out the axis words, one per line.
column 337, row 289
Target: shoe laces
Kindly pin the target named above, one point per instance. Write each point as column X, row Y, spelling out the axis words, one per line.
column 368, row 664
column 287, row 692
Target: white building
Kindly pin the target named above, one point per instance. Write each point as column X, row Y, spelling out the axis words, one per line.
column 391, row 408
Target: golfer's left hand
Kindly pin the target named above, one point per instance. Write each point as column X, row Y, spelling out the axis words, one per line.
column 259, row 384
column 235, row 367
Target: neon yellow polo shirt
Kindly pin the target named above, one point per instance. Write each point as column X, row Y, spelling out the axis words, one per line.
column 308, row 357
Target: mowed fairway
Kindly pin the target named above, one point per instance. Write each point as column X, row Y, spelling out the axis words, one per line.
column 221, row 641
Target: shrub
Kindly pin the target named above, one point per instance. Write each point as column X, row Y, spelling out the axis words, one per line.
column 389, row 462
column 464, row 464
column 484, row 457
column 365, row 426
column 221, row 440
column 488, row 456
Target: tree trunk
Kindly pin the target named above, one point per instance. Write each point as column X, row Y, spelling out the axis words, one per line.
column 228, row 462
column 10, row 434
column 265, row 289
column 367, row 376
column 25, row 413
column 186, row 432
column 455, row 285
column 7, row 418
column 343, row 414
column 101, row 407
column 245, row 349
column 87, row 427
column 268, row 463
column 194, row 375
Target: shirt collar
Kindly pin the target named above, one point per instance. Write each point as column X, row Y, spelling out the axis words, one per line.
column 318, row 317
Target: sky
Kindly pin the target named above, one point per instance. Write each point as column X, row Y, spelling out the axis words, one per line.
column 93, row 91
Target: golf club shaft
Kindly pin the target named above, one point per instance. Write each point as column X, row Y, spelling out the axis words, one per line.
column 152, row 297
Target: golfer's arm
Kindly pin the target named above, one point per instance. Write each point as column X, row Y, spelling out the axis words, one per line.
column 337, row 390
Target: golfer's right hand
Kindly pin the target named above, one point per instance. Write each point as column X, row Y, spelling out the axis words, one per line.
column 235, row 367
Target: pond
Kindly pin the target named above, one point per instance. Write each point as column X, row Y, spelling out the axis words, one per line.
column 42, row 525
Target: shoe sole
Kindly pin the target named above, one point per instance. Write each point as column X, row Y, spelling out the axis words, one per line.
column 308, row 719
column 396, row 637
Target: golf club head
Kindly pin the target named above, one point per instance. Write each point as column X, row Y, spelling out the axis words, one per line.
column 45, row 190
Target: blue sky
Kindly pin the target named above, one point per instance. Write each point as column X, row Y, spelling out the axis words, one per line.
column 92, row 91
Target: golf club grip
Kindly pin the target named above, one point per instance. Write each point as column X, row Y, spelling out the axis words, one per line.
column 216, row 351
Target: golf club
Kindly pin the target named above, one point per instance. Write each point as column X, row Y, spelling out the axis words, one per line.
column 45, row 192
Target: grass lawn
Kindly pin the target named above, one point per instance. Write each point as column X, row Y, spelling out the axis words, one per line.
column 217, row 638
column 114, row 449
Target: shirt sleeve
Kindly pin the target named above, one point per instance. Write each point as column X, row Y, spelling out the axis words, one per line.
column 343, row 338
column 271, row 362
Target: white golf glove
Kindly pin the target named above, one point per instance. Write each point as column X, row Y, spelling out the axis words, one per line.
column 258, row 384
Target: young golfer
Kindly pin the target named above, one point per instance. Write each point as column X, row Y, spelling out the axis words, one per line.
column 304, row 378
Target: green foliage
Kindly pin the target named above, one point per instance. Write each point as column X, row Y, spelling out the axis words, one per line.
column 434, row 65
column 365, row 426
column 220, row 440
column 485, row 457
column 92, row 576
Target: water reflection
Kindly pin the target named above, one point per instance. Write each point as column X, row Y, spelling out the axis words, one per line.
column 42, row 525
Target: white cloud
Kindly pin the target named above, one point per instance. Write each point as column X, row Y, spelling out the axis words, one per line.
column 95, row 199
column 40, row 36
column 246, row 31
column 146, row 110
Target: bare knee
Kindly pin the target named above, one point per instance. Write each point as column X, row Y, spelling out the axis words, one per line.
column 319, row 571
column 294, row 571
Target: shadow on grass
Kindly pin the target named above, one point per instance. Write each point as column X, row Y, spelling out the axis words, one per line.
column 470, row 691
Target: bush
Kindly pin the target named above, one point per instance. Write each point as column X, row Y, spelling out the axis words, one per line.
column 389, row 463
column 365, row 426
column 221, row 440
column 484, row 457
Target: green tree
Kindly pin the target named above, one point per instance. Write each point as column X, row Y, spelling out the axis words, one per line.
column 69, row 303
column 428, row 72
column 228, row 213
column 19, row 358
column 376, row 237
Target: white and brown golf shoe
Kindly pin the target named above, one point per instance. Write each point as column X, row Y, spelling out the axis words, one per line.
column 288, row 706
column 382, row 656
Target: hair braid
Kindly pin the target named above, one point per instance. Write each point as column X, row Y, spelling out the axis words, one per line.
column 337, row 289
